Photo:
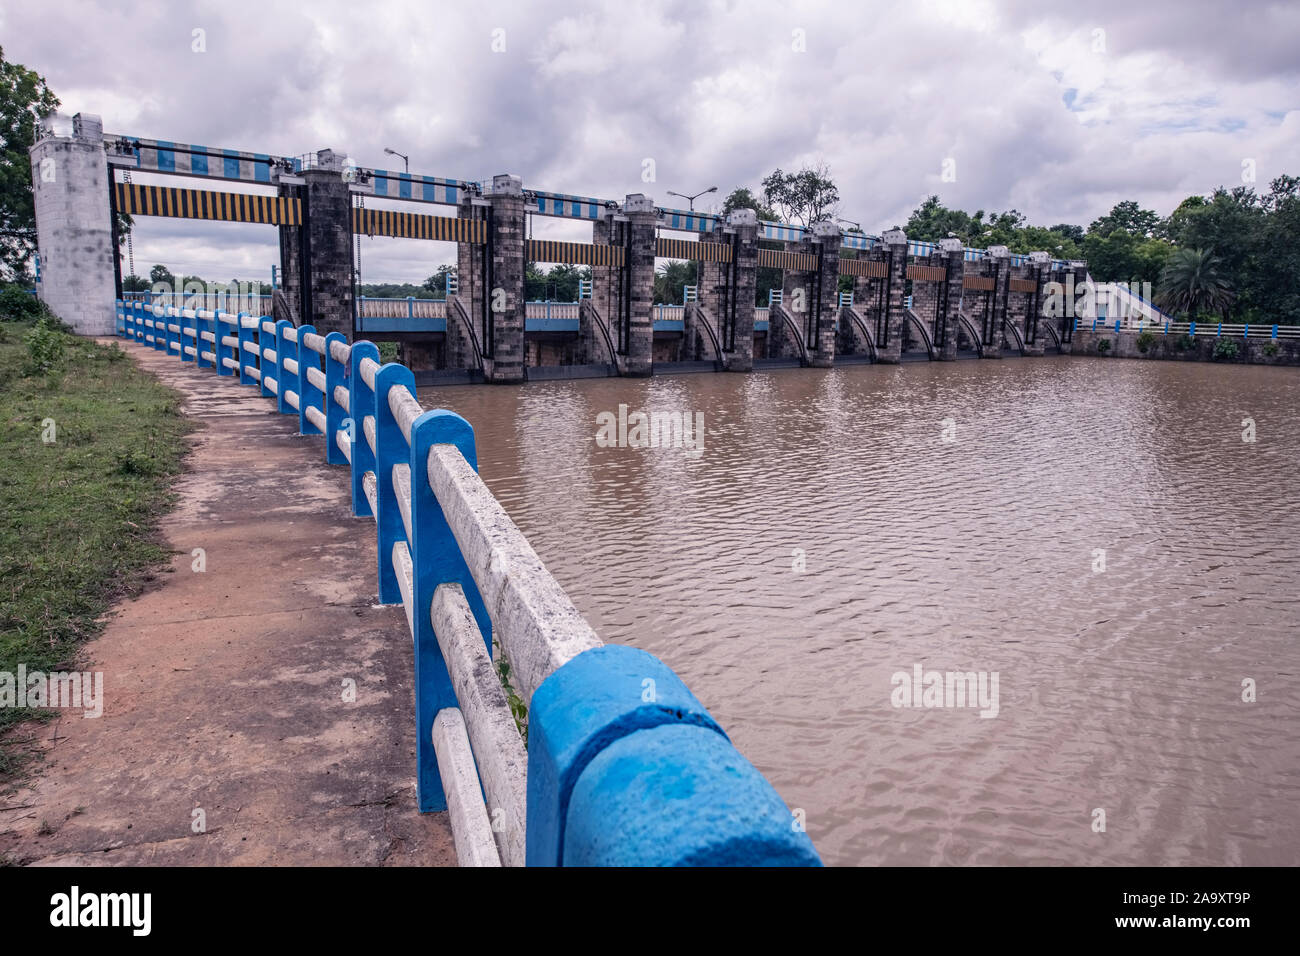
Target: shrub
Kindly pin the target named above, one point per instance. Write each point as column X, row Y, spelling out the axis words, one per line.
column 1224, row 350
column 16, row 304
column 1184, row 342
column 45, row 344
column 1144, row 341
column 1270, row 349
column 1103, row 346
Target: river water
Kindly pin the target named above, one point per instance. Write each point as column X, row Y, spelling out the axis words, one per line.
column 1096, row 532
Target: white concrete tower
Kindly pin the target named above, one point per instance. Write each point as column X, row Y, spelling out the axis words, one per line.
column 74, row 231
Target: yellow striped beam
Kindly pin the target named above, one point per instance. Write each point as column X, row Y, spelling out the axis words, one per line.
column 926, row 273
column 978, row 283
column 789, row 261
column 414, row 225
column 864, row 268
column 177, row 203
column 1024, row 285
column 699, row 251
column 578, row 253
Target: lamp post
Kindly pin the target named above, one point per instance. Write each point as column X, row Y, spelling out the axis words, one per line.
column 691, row 199
column 405, row 159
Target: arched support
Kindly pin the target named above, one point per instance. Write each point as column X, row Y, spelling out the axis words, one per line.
column 1010, row 326
column 856, row 321
column 456, row 310
column 699, row 318
column 778, row 313
column 971, row 333
column 925, row 333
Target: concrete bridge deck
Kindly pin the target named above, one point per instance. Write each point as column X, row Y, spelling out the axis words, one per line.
column 224, row 689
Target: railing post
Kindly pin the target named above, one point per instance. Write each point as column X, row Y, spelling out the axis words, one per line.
column 1166, row 328
column 362, row 403
column 436, row 559
column 159, row 335
column 336, row 375
column 266, row 340
column 1218, row 332
column 309, row 395
column 178, row 337
column 246, row 337
column 1245, row 331
column 1117, row 326
column 181, row 319
column 1275, row 330
column 390, row 448
column 1191, row 329
column 219, row 348
column 202, row 325
column 410, row 307
column 282, row 346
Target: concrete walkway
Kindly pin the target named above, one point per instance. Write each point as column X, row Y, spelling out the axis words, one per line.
column 224, row 689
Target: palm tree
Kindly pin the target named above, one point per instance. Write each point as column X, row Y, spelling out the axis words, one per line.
column 1193, row 282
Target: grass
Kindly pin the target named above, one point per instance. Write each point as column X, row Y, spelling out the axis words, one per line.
column 79, row 515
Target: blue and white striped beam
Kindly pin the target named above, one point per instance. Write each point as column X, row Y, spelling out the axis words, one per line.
column 391, row 185
column 857, row 240
column 685, row 221
column 782, row 231
column 563, row 206
column 184, row 159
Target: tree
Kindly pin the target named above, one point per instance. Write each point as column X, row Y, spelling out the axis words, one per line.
column 742, row 197
column 1127, row 217
column 24, row 100
column 161, row 273
column 1192, row 283
column 437, row 283
column 805, row 197
column 671, row 278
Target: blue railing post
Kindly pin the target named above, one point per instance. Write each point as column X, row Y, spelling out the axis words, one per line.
column 1218, row 331
column 436, row 559
column 283, row 349
column 336, row 376
column 410, row 307
column 1117, row 326
column 177, row 337
column 362, row 404
column 1274, row 330
column 192, row 326
column 266, row 336
column 1191, row 329
column 247, row 337
column 220, row 349
column 390, row 448
column 309, row 396
column 1166, row 328
column 601, row 753
column 1245, row 331
column 202, row 325
column 160, row 338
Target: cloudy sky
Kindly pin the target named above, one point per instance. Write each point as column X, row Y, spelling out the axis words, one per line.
column 1057, row 110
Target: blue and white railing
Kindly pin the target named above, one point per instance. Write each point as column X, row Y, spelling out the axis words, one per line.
column 1209, row 329
column 624, row 766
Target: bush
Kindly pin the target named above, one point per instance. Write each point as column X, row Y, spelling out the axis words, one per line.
column 1144, row 341
column 1270, row 349
column 45, row 344
column 16, row 304
column 1184, row 342
column 1103, row 346
column 1224, row 350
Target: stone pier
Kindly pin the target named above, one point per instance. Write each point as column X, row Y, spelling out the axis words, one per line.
column 316, row 263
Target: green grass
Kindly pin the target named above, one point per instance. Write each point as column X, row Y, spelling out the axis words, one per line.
column 79, row 516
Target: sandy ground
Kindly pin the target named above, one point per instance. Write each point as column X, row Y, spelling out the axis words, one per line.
column 224, row 689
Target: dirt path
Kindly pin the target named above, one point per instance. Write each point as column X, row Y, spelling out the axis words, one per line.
column 224, row 689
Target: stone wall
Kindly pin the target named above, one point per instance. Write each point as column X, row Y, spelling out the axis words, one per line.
column 1180, row 348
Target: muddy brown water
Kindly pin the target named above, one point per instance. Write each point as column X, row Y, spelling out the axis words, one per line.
column 1096, row 532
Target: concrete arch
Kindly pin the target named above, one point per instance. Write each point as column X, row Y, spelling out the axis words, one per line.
column 1010, row 326
column 795, row 332
column 860, row 324
column 1051, row 330
column 971, row 333
column 597, row 320
column 920, row 327
column 705, row 321
column 456, row 309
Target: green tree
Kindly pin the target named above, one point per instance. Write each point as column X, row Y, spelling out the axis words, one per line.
column 742, row 197
column 1193, row 284
column 805, row 197
column 24, row 100
column 671, row 278
column 437, row 283
column 160, row 273
column 1127, row 217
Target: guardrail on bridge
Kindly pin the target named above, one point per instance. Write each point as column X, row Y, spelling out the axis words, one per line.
column 624, row 766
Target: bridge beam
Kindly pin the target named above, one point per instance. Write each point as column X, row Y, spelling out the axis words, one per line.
column 316, row 258
column 74, row 223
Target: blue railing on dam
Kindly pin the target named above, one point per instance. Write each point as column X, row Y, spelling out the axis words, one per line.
column 623, row 766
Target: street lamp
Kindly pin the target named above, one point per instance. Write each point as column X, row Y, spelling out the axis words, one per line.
column 405, row 159
column 691, row 199
column 855, row 225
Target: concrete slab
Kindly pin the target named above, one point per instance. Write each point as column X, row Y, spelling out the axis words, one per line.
column 224, row 689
